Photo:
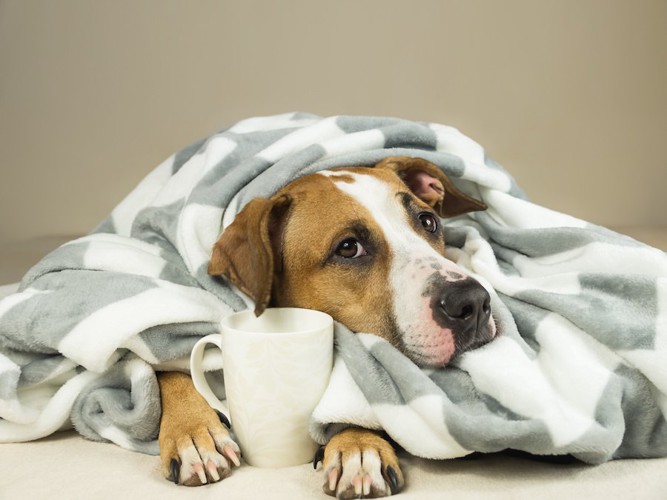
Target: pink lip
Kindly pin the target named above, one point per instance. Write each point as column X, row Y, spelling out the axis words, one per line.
column 430, row 344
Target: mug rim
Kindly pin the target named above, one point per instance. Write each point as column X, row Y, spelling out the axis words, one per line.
column 325, row 319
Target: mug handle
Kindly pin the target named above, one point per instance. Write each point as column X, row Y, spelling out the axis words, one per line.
column 197, row 372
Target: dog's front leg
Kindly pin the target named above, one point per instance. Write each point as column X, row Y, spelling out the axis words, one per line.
column 358, row 463
column 195, row 447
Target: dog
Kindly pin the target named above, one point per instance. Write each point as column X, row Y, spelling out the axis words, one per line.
column 365, row 245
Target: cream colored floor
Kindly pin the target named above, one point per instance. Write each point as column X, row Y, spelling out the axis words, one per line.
column 66, row 466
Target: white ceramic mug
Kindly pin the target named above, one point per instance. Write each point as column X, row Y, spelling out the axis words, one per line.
column 276, row 368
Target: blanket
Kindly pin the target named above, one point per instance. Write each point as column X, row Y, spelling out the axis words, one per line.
column 579, row 367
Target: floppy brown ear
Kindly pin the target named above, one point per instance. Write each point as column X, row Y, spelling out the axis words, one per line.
column 432, row 186
column 245, row 253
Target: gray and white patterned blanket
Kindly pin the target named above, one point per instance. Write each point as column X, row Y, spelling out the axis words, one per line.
column 580, row 366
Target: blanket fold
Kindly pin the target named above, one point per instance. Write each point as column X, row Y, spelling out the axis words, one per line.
column 579, row 367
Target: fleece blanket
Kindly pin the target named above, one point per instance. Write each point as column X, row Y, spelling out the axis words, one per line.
column 579, row 367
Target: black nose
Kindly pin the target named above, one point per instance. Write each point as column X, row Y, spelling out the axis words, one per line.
column 466, row 306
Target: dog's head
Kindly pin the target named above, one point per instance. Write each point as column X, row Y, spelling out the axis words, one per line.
column 364, row 245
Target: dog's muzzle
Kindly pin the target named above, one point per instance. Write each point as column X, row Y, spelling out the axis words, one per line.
column 464, row 307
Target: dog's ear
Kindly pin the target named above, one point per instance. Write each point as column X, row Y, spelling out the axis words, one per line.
column 246, row 252
column 432, row 186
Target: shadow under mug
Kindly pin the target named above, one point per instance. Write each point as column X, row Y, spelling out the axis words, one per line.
column 276, row 369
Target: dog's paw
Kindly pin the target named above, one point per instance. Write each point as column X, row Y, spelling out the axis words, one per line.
column 197, row 451
column 358, row 463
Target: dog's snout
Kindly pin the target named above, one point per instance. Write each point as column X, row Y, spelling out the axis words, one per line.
column 463, row 307
column 467, row 304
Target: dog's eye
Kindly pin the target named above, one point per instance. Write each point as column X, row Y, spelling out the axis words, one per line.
column 350, row 249
column 429, row 221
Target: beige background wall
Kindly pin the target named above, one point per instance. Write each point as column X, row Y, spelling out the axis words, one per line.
column 570, row 95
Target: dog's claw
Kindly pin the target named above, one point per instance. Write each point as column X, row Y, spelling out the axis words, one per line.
column 333, row 480
column 319, row 456
column 199, row 470
column 231, row 454
column 393, row 479
column 223, row 418
column 175, row 470
column 367, row 483
column 357, row 482
column 212, row 470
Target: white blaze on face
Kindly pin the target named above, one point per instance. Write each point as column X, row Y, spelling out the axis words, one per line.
column 413, row 262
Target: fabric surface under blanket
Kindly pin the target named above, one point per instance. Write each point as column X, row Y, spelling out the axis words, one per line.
column 580, row 366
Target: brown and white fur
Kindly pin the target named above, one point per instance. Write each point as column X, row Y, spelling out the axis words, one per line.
column 364, row 245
